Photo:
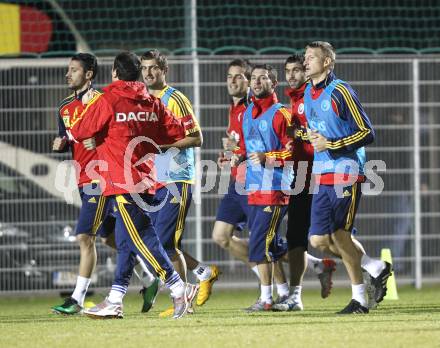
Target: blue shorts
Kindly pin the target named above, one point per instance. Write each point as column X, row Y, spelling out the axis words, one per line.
column 265, row 243
column 95, row 215
column 330, row 212
column 169, row 220
column 233, row 208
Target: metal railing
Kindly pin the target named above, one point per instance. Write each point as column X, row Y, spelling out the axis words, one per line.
column 400, row 95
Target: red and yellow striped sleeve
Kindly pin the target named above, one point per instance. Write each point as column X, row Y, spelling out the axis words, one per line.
column 281, row 121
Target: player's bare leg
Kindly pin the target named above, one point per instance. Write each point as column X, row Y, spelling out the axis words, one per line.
column 280, row 280
column 87, row 263
column 223, row 235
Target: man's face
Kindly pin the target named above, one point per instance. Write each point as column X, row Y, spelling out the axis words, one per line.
column 295, row 75
column 314, row 62
column 237, row 82
column 153, row 76
column 76, row 77
column 261, row 84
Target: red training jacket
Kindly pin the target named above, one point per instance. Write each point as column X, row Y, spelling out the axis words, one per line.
column 122, row 114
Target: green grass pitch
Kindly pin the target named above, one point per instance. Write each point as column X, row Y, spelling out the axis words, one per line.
column 412, row 321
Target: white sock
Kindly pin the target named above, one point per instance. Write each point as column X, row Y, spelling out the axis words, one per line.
column 116, row 295
column 315, row 264
column 266, row 293
column 82, row 284
column 373, row 266
column 144, row 274
column 202, row 272
column 359, row 293
column 177, row 289
column 255, row 270
column 282, row 289
column 296, row 292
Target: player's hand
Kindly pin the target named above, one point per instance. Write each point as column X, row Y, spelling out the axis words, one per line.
column 89, row 144
column 229, row 144
column 236, row 160
column 59, row 143
column 222, row 160
column 257, row 158
column 88, row 96
column 318, row 141
column 291, row 131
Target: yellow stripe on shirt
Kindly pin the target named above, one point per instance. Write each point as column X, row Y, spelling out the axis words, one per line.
column 91, row 102
column 354, row 138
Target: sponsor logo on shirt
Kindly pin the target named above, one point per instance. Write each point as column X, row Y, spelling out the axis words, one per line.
column 301, row 108
column 141, row 116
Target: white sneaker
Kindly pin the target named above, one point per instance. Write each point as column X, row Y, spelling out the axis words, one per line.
column 191, row 293
column 292, row 303
column 105, row 310
column 183, row 304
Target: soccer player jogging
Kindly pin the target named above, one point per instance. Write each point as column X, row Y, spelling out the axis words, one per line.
column 233, row 209
column 129, row 121
column 175, row 176
column 300, row 201
column 81, row 71
column 264, row 132
column 339, row 130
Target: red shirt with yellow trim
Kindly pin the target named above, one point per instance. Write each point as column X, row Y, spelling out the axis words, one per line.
column 68, row 112
column 302, row 149
column 236, row 115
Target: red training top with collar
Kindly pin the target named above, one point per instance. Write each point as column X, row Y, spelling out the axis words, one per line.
column 68, row 111
column 302, row 149
column 280, row 123
column 121, row 115
column 236, row 115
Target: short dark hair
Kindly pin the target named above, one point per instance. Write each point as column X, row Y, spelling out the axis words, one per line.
column 161, row 59
column 273, row 75
column 295, row 58
column 127, row 66
column 327, row 50
column 244, row 64
column 88, row 62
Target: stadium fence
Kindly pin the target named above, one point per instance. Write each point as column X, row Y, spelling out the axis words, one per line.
column 399, row 93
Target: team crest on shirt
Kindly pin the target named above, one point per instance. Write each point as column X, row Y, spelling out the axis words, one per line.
column 235, row 136
column 301, row 108
column 325, row 105
column 263, row 125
